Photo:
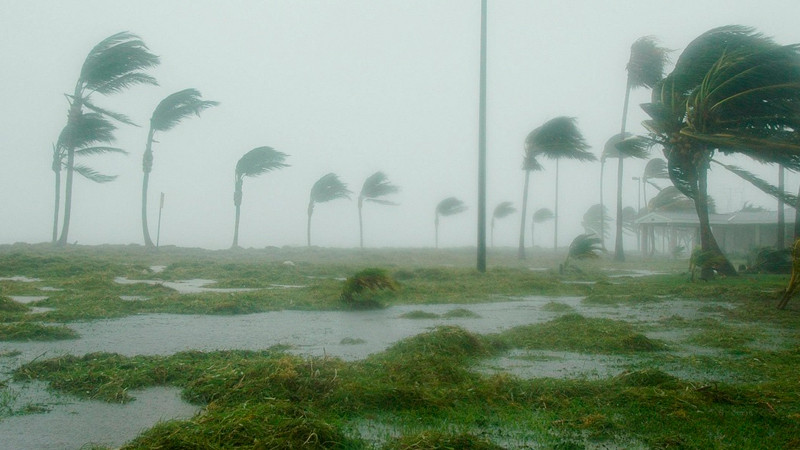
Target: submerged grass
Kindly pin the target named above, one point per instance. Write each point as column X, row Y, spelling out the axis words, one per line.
column 28, row 331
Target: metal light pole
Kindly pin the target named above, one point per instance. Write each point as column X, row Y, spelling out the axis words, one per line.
column 482, row 148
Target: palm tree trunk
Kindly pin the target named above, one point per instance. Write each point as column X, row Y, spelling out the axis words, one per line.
column 797, row 217
column 75, row 111
column 436, row 228
column 237, row 201
column 492, row 234
column 779, row 242
column 521, row 248
column 619, row 254
column 533, row 224
column 147, row 167
column 555, row 214
column 308, row 225
column 360, row 223
column 707, row 240
column 602, row 209
column 57, row 170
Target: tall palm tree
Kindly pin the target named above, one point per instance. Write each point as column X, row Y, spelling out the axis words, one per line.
column 645, row 69
column 375, row 186
column 447, row 207
column 169, row 113
column 83, row 135
column 732, row 91
column 609, row 151
column 539, row 216
column 327, row 188
column 529, row 164
column 255, row 162
column 556, row 139
column 112, row 66
column 502, row 210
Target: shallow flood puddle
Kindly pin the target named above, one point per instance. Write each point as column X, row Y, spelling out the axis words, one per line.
column 350, row 335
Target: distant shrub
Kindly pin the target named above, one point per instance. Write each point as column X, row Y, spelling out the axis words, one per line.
column 367, row 288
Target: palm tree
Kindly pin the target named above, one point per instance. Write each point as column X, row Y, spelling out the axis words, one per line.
column 447, row 207
column 327, row 188
column 645, row 69
column 375, row 186
column 82, row 135
column 609, row 151
column 502, row 210
column 734, row 91
column 255, row 162
column 594, row 218
column 555, row 139
column 113, row 65
column 539, row 216
column 584, row 246
column 529, row 164
column 169, row 113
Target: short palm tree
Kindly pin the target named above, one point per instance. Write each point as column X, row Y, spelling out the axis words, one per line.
column 584, row 246
column 327, row 188
column 255, row 162
column 447, row 207
column 556, row 139
column 375, row 186
column 645, row 69
column 115, row 64
column 502, row 210
column 539, row 216
column 529, row 164
column 169, row 113
column 733, row 91
column 83, row 135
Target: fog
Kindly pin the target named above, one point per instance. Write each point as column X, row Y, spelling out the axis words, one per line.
column 350, row 87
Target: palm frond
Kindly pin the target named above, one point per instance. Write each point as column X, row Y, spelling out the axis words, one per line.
column 114, row 115
column 178, row 106
column 377, row 185
column 585, row 246
column 672, row 199
column 109, row 62
column 503, row 209
column 530, row 163
column 655, row 168
column 450, row 206
column 634, row 147
column 93, row 175
column 763, row 185
column 542, row 214
column 610, row 149
column 328, row 188
column 647, row 62
column 258, row 161
column 87, row 129
column 594, row 219
column 90, row 151
column 381, row 201
column 559, row 138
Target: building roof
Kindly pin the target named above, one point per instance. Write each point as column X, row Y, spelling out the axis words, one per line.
column 689, row 218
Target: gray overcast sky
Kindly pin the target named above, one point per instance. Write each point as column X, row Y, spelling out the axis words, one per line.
column 351, row 87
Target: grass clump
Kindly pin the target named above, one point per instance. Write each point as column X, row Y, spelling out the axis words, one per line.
column 367, row 288
column 573, row 332
column 417, row 314
column 27, row 331
column 460, row 313
column 557, row 307
column 10, row 306
column 435, row 440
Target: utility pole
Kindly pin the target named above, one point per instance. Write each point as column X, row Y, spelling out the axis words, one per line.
column 482, row 148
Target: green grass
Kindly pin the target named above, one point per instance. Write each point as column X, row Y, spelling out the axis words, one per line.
column 27, row 331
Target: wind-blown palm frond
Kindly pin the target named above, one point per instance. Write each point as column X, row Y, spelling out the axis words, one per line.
column 530, row 163
column 86, row 130
column 592, row 220
column 115, row 64
column 328, row 188
column 584, row 246
column 655, row 168
column 378, row 185
column 503, row 209
column 610, row 150
column 450, row 206
column 176, row 107
column 260, row 160
column 634, row 147
column 89, row 151
column 119, row 117
column 542, row 214
column 92, row 174
column 749, row 207
column 763, row 185
column 647, row 61
column 559, row 138
column 672, row 199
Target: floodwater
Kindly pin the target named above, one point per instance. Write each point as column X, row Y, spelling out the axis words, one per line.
column 350, row 335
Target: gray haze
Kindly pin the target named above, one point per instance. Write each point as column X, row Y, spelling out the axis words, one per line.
column 351, row 87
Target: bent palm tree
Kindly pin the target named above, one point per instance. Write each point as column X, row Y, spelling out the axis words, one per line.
column 327, row 188
column 113, row 65
column 645, row 69
column 541, row 215
column 255, row 162
column 584, row 246
column 502, row 210
column 732, row 91
column 555, row 139
column 529, row 164
column 375, row 186
column 447, row 207
column 82, row 135
column 169, row 113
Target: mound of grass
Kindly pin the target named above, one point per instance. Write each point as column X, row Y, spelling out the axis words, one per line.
column 27, row 331
column 460, row 313
column 417, row 314
column 573, row 332
column 10, row 306
column 434, row 440
column 557, row 307
column 367, row 288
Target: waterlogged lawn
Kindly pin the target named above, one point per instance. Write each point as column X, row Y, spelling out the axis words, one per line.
column 678, row 364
